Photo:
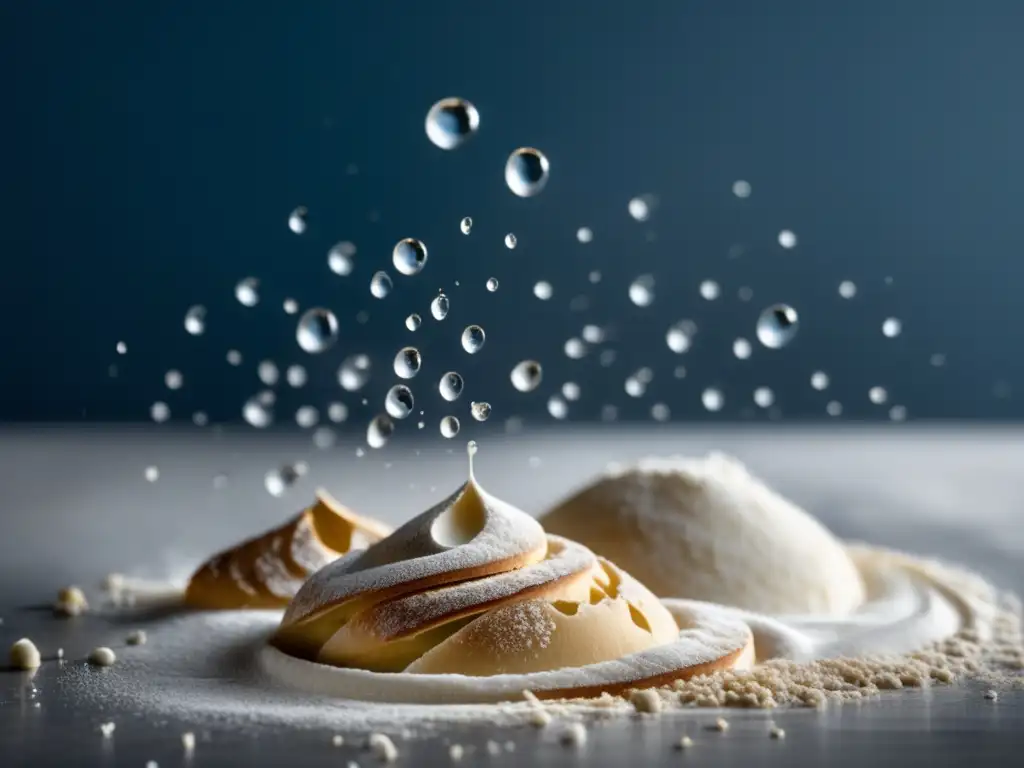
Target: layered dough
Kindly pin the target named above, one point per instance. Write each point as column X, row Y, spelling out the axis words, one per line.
column 267, row 571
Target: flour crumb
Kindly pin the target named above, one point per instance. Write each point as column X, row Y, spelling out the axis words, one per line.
column 574, row 735
column 493, row 747
column 107, row 729
column 25, row 655
column 71, row 602
column 338, row 740
column 102, row 657
column 684, row 743
column 721, row 725
column 138, row 637
column 188, row 741
column 646, row 700
column 455, row 752
column 539, row 718
column 992, row 695
column 776, row 733
column 383, row 747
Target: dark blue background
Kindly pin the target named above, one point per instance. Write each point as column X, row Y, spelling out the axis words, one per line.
column 152, row 152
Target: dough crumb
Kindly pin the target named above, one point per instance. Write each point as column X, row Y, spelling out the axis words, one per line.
column 102, row 657
column 539, row 718
column 338, row 740
column 510, row 746
column 992, row 695
column 152, row 764
column 71, row 602
column 775, row 732
column 493, row 748
column 383, row 747
column 684, row 743
column 721, row 725
column 25, row 655
column 574, row 735
column 646, row 700
column 138, row 637
column 60, row 654
column 455, row 752
column 107, row 729
column 188, row 741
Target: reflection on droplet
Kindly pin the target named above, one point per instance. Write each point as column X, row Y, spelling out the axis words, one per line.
column 277, row 481
column 712, row 399
column 297, row 220
column 542, row 290
column 379, row 431
column 407, row 362
column 777, row 326
column 641, row 290
column 527, row 171
column 847, row 289
column 878, row 395
column 892, row 327
column 527, row 375
column 413, row 321
column 466, row 225
column 584, row 234
column 450, row 427
column 819, row 380
column 339, row 258
column 481, row 411
column 337, row 412
column 451, row 122
column 307, row 416
column 510, row 241
column 409, row 256
column 247, row 292
column 764, row 397
column 317, row 330
column 557, row 407
column 439, row 307
column 742, row 348
column 195, row 320
column 159, row 412
column 380, row 284
column 268, row 373
column 678, row 338
column 173, row 379
column 492, row 284
column 473, row 338
column 354, row 372
column 575, row 348
column 709, row 290
column 399, row 401
column 450, row 386
column 295, row 375
column 741, row 188
column 787, row 238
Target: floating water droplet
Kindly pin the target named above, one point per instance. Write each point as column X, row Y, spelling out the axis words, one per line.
column 173, row 379
column 878, row 395
column 594, row 277
column 709, row 290
column 609, row 413
column 307, row 416
column 354, row 372
column 510, row 241
column 473, row 338
column 645, row 374
column 745, row 293
column 660, row 412
column 764, row 397
column 607, row 357
column 542, row 290
column 641, row 290
column 481, row 411
column 892, row 327
column 634, row 386
column 640, row 207
column 159, row 412
column 439, row 307
column 898, row 413
column 557, row 407
column 450, row 427
column 787, row 238
column 466, row 225
column 268, row 373
column 834, row 408
column 492, row 284
column 575, row 348
column 324, row 438
column 413, row 321
column 317, row 330
column 234, row 357
column 847, row 289
column 152, row 474
column 679, row 372
column 451, row 122
column 257, row 412
column 195, row 320
column 450, row 386
column 379, row 431
column 937, row 360
column 571, row 391
column 339, row 258
column 337, row 412
column 407, row 362
column 409, row 256
column 592, row 334
column 247, row 291
column 200, row 419
column 584, row 234
column 298, row 220
column 295, row 376
column 380, row 284
column 121, row 348
column 527, row 375
column 399, row 401
column 712, row 399
column 777, row 326
column 526, row 171
column 277, row 481
column 742, row 349
column 291, row 306
column 819, row 380
column 678, row 338
column 741, row 188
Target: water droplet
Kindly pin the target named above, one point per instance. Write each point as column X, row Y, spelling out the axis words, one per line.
column 234, row 357
column 592, row 334
column 324, row 438
column 451, row 122
column 257, row 412
column 557, row 407
column 399, row 401
column 278, row 481
column 337, row 412
column 339, row 258
column 121, row 348
column 745, row 293
column 678, row 338
column 354, row 372
column 297, row 220
column 892, row 327
column 413, row 321
column 173, row 379
column 742, row 349
column 634, row 386
column 571, row 391
column 407, row 362
column 195, row 320
column 641, row 290
column 268, row 373
column 646, row 375
column 473, row 338
column 660, row 412
column 450, row 386
column 712, row 399
column 492, row 284
column 526, row 171
column 466, row 225
column 777, row 326
column 834, row 408
column 291, row 306
column 679, row 372
column 594, row 277
column 248, row 292
column 741, row 188
column 307, row 416
column 609, row 413
column 409, row 256
column 937, row 360
column 379, row 431
column 575, row 348
column 317, row 330
column 709, row 290
column 819, row 380
column 764, row 397
column 439, row 307
column 450, row 427
column 607, row 357
column 898, row 413
column 527, row 375
column 510, row 241
column 878, row 395
column 159, row 412
column 200, row 419
column 787, row 238
column 847, row 289
column 640, row 207
column 543, row 290
column 295, row 376
column 152, row 474
column 584, row 234
column 481, row 411
column 380, row 284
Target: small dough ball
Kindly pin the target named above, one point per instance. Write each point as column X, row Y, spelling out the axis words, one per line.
column 706, row 529
column 25, row 655
column 102, row 657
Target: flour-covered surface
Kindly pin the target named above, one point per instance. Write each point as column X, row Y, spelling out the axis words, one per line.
column 76, row 506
